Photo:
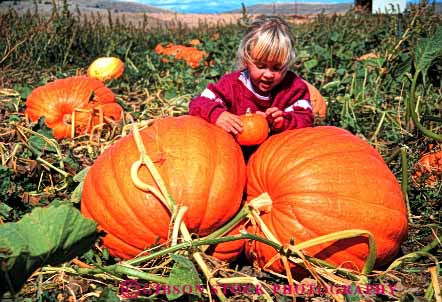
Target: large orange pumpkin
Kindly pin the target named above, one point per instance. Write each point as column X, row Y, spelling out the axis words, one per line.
column 58, row 100
column 323, row 180
column 194, row 159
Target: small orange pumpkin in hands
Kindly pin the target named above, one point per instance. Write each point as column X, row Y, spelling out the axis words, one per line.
column 106, row 68
column 255, row 129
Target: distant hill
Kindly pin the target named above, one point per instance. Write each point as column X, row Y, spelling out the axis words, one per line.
column 297, row 8
column 115, row 6
column 307, row 8
column 85, row 6
column 129, row 7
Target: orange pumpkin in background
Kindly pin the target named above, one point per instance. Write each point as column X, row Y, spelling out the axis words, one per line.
column 322, row 180
column 367, row 56
column 106, row 68
column 318, row 102
column 255, row 129
column 58, row 100
column 191, row 55
column 428, row 169
column 201, row 165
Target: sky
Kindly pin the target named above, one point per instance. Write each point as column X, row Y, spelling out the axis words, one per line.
column 204, row 6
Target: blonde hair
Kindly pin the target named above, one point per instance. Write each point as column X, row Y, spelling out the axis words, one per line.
column 267, row 39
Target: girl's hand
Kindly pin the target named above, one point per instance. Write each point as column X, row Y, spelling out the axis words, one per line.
column 230, row 122
column 275, row 118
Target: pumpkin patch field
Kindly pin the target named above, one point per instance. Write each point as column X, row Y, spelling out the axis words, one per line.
column 111, row 191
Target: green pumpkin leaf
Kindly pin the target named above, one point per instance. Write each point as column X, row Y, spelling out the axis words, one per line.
column 4, row 210
column 79, row 177
column 353, row 295
column 428, row 50
column 108, row 295
column 310, row 64
column 183, row 274
column 46, row 236
column 40, row 145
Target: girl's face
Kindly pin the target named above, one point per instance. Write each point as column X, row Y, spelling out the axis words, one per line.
column 265, row 75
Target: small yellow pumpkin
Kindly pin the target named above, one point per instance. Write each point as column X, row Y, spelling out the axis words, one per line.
column 106, row 68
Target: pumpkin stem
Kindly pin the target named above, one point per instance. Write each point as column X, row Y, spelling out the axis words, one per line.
column 249, row 111
column 262, row 203
column 67, row 118
column 177, row 217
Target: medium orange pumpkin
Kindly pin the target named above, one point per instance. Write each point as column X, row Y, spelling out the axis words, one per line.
column 318, row 102
column 322, row 180
column 106, row 68
column 58, row 100
column 255, row 129
column 194, row 159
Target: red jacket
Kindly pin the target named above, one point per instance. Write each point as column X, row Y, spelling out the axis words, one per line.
column 233, row 93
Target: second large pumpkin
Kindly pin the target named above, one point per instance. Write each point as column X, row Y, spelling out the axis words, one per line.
column 323, row 180
column 202, row 166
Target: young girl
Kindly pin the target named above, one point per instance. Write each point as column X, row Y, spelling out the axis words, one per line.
column 263, row 83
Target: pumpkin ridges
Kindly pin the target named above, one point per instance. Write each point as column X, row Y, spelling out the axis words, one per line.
column 114, row 218
column 297, row 163
column 109, row 235
column 119, row 246
column 199, row 201
column 231, row 250
column 206, row 211
column 60, row 131
column 309, row 143
column 135, row 215
column 318, row 102
column 132, row 208
column 109, row 220
column 219, row 174
column 255, row 129
column 167, row 142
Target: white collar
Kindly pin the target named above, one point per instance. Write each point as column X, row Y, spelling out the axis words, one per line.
column 244, row 77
